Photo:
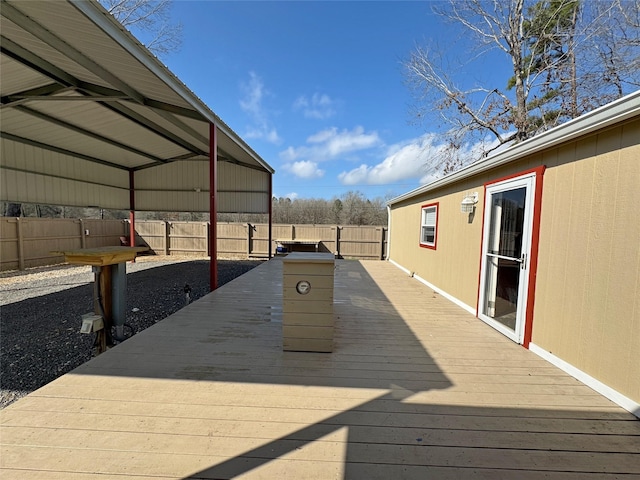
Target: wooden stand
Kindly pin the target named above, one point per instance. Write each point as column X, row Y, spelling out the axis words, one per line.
column 307, row 322
column 110, row 287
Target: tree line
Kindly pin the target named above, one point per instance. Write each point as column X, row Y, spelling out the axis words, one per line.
column 352, row 208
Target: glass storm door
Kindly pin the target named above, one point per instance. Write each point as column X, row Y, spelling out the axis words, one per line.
column 505, row 253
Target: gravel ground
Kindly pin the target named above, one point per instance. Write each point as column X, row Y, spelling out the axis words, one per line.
column 40, row 312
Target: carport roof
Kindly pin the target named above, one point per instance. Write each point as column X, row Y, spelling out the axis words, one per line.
column 74, row 82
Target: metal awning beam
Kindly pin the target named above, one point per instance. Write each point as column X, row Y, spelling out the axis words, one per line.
column 155, row 104
column 222, row 157
column 153, row 127
column 225, row 157
column 48, row 98
column 182, row 126
column 85, row 132
column 191, row 190
column 46, row 91
column 263, row 192
column 167, row 107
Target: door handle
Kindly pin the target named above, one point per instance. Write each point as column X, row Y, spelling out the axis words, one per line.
column 523, row 261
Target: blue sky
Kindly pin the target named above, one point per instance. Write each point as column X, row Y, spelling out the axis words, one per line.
column 316, row 88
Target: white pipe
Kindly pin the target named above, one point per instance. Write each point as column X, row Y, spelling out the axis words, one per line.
column 388, row 254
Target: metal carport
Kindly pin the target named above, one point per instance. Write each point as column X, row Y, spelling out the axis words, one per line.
column 91, row 118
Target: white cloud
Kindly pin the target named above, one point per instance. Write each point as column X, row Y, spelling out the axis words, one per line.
column 254, row 92
column 319, row 106
column 292, row 195
column 403, row 161
column 270, row 135
column 323, row 135
column 304, row 169
column 413, row 159
column 330, row 144
column 252, row 104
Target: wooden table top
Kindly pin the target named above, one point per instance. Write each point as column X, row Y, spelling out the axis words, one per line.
column 100, row 256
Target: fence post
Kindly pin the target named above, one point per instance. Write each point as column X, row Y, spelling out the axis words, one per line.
column 249, row 233
column 83, row 240
column 381, row 247
column 337, row 241
column 167, row 226
column 207, row 234
column 293, row 232
column 20, row 245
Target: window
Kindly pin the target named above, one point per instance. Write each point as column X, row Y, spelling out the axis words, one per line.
column 429, row 226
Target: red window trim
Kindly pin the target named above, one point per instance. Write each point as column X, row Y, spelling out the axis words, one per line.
column 435, row 243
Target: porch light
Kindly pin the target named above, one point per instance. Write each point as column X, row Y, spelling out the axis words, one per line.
column 469, row 203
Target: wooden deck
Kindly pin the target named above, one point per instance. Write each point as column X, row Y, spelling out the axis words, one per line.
column 416, row 388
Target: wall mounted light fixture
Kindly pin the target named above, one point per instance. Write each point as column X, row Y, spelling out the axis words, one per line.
column 469, row 202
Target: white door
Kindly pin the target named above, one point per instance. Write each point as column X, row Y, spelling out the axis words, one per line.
column 506, row 248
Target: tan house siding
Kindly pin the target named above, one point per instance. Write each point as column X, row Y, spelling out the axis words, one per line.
column 453, row 265
column 587, row 309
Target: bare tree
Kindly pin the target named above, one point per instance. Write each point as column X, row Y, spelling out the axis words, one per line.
column 611, row 57
column 566, row 57
column 376, row 213
column 150, row 20
column 478, row 113
column 354, row 208
column 336, row 211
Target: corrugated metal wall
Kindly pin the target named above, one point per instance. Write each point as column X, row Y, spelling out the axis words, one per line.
column 174, row 187
column 242, row 190
column 184, row 187
column 66, row 180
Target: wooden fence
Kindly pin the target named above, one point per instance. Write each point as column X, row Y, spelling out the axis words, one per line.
column 252, row 240
column 27, row 242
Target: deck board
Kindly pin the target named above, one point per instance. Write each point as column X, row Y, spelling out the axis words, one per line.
column 415, row 388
